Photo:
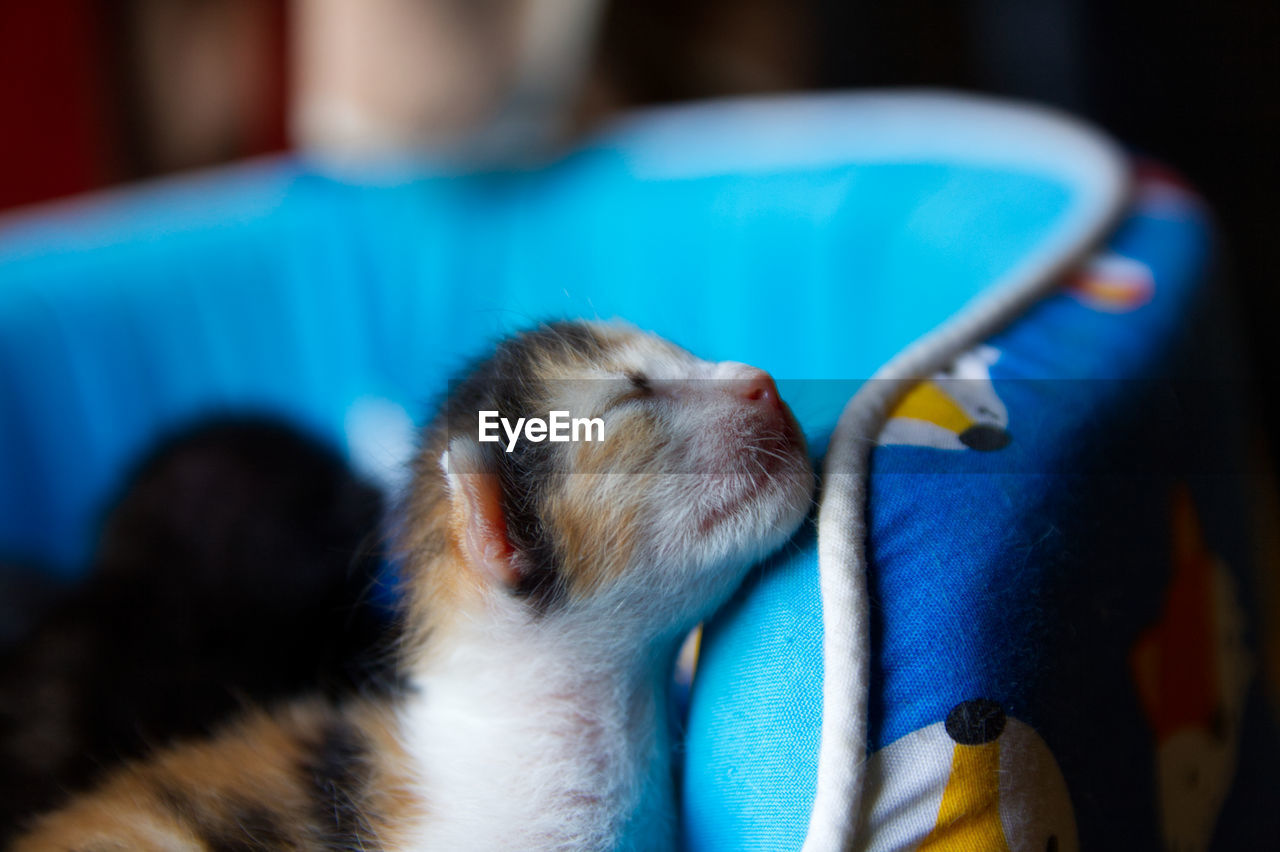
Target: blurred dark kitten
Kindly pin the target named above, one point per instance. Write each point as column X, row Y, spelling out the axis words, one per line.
column 236, row 567
column 27, row 593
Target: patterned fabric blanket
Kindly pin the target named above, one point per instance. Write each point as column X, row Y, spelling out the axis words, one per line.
column 1072, row 592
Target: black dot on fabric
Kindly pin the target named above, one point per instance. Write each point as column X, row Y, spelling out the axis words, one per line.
column 985, row 438
column 975, row 722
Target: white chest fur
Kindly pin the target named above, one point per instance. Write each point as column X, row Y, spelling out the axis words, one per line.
column 528, row 741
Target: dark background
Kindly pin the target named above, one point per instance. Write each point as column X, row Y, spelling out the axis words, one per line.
column 1193, row 84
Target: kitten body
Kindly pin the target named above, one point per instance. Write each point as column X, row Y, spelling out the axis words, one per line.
column 233, row 569
column 548, row 590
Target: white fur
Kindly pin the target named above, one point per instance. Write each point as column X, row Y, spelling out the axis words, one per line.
column 526, row 737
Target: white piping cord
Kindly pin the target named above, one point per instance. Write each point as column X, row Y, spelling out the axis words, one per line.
column 842, row 559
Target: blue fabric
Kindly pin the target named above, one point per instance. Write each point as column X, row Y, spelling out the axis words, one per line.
column 968, row 549
column 270, row 287
column 1026, row 575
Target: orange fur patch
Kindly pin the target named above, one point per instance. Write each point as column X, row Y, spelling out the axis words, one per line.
column 182, row 794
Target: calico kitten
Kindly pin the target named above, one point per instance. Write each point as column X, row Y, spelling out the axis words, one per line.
column 233, row 569
column 549, row 586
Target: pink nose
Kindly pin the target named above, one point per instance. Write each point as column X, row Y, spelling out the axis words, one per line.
column 759, row 389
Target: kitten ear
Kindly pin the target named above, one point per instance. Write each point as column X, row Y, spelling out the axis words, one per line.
column 479, row 525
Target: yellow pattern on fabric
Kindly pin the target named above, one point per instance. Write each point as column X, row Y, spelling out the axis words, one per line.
column 930, row 403
column 969, row 816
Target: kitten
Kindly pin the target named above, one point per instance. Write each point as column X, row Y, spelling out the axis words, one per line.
column 232, row 569
column 549, row 587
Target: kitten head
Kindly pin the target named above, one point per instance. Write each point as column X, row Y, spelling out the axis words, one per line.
column 660, row 480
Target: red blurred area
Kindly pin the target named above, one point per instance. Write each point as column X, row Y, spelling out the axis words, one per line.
column 56, row 133
column 94, row 92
